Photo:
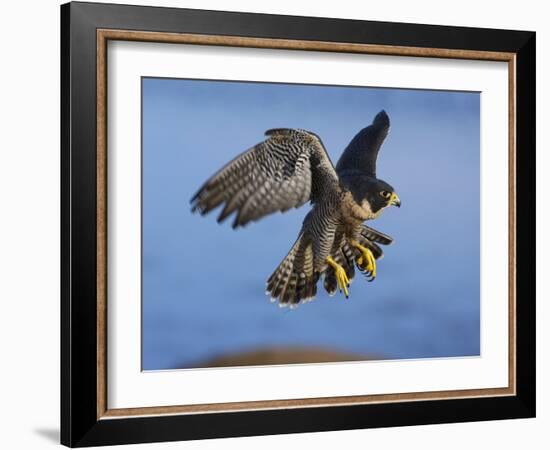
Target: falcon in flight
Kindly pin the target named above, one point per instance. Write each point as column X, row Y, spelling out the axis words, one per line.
column 290, row 168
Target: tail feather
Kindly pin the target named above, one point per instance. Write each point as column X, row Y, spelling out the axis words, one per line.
column 289, row 293
column 295, row 279
column 329, row 283
column 375, row 236
column 311, row 289
column 348, row 257
column 371, row 238
column 374, row 248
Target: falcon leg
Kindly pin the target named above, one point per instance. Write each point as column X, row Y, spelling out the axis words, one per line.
column 366, row 261
column 341, row 277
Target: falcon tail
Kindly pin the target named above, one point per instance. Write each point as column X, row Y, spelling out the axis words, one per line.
column 295, row 280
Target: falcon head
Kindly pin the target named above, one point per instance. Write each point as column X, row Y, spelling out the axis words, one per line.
column 375, row 194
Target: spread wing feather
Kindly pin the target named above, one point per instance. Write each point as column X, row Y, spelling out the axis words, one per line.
column 362, row 152
column 282, row 172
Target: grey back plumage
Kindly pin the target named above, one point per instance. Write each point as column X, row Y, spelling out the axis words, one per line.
column 285, row 171
column 360, row 155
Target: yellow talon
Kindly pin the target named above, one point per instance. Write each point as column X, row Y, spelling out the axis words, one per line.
column 341, row 277
column 368, row 256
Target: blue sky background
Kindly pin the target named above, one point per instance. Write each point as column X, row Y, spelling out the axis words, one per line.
column 204, row 283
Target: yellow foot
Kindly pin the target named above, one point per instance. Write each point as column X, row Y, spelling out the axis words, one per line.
column 366, row 261
column 341, row 277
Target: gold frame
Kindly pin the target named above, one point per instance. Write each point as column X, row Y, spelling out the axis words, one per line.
column 104, row 35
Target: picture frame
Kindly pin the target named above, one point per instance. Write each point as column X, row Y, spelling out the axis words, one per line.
column 86, row 29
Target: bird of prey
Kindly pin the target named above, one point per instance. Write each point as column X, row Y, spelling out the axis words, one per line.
column 290, row 168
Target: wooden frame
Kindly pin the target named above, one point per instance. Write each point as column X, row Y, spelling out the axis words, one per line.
column 86, row 418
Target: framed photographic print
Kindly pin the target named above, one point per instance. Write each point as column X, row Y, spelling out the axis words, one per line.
column 231, row 185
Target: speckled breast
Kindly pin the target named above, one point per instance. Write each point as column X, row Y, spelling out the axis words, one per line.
column 356, row 213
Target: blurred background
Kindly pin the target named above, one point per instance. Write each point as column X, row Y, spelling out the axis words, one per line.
column 203, row 299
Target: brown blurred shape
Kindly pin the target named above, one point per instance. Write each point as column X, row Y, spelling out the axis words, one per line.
column 284, row 355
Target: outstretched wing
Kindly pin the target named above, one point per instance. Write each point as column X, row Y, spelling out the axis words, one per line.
column 360, row 155
column 282, row 172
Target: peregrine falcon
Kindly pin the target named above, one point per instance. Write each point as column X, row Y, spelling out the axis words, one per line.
column 290, row 168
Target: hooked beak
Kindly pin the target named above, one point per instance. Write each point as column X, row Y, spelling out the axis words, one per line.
column 394, row 200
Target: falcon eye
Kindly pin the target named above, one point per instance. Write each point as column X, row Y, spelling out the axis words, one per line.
column 385, row 194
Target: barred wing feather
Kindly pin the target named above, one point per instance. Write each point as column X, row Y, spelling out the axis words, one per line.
column 285, row 171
